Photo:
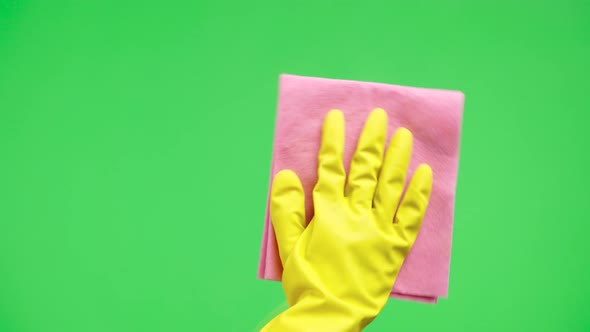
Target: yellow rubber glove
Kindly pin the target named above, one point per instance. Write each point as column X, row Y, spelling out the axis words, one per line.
column 340, row 269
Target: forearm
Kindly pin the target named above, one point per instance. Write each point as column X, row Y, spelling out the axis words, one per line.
column 317, row 314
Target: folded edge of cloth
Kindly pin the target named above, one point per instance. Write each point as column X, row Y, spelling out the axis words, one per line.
column 433, row 116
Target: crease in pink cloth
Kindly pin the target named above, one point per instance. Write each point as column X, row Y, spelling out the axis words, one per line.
column 434, row 118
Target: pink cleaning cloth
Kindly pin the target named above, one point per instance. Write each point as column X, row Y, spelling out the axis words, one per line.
column 433, row 117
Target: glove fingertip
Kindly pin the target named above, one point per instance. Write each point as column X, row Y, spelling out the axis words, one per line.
column 286, row 190
column 423, row 180
column 287, row 210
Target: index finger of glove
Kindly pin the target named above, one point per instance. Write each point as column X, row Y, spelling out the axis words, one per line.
column 331, row 174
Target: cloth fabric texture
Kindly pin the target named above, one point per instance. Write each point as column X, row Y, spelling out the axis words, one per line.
column 433, row 116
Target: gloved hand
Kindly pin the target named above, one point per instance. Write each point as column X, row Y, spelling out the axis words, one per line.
column 340, row 269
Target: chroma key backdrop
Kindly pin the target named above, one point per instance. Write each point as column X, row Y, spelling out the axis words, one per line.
column 136, row 139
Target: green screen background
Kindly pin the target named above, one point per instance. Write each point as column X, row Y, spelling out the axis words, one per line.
column 135, row 145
